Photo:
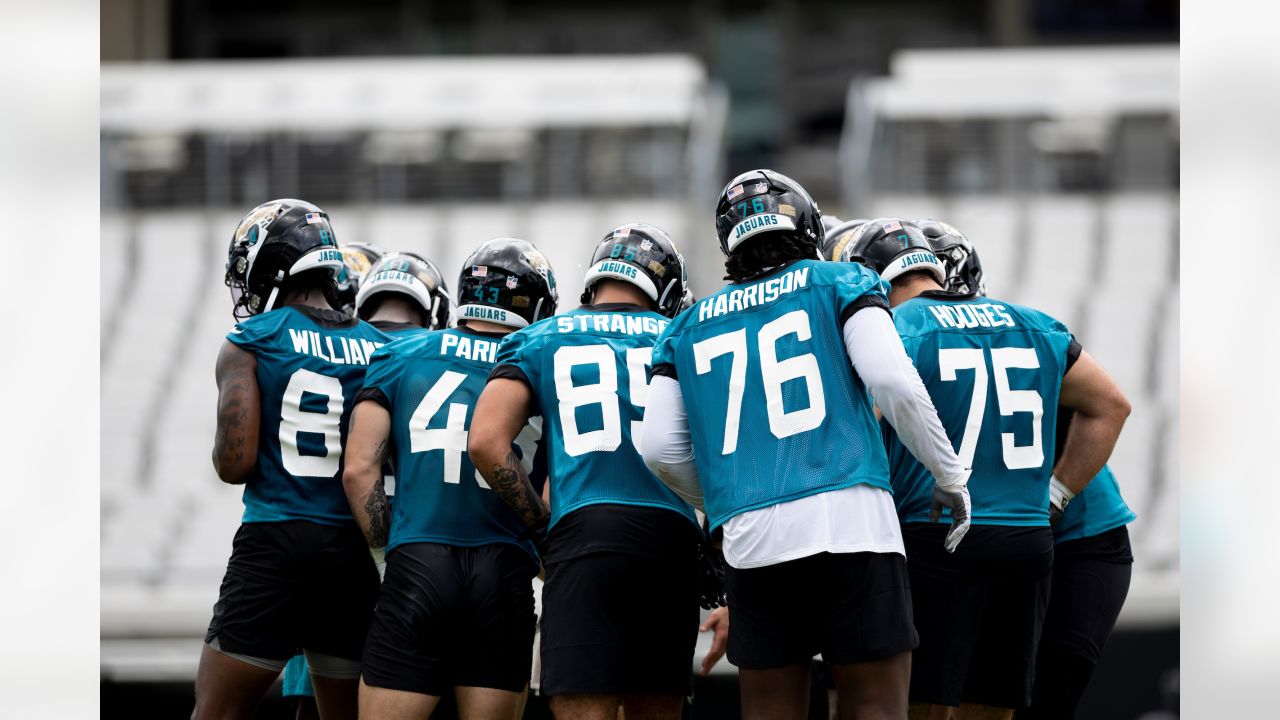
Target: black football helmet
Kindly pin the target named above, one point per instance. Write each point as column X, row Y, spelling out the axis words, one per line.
column 687, row 301
column 508, row 282
column 358, row 258
column 891, row 247
column 276, row 241
column 959, row 257
column 764, row 202
column 410, row 275
column 645, row 256
column 829, row 222
column 838, row 236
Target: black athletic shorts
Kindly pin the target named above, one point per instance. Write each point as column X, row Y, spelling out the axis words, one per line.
column 452, row 616
column 295, row 585
column 850, row 607
column 621, row 623
column 1090, row 583
column 979, row 612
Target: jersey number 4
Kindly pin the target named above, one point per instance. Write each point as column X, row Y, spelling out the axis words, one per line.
column 1016, row 457
column 452, row 438
column 773, row 372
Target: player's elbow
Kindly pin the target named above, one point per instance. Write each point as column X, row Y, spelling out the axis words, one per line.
column 356, row 476
column 1117, row 408
column 229, row 471
column 484, row 445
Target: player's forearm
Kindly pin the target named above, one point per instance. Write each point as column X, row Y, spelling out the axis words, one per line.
column 877, row 354
column 1100, row 411
column 665, row 444
column 367, row 497
column 235, row 442
column 510, row 482
column 1088, row 446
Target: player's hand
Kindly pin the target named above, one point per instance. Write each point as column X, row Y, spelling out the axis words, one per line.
column 718, row 622
column 1059, row 496
column 956, row 498
column 380, row 561
column 537, row 534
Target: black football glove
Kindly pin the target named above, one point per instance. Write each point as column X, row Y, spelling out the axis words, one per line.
column 711, row 592
column 537, row 534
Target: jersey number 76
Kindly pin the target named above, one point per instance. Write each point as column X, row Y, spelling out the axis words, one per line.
column 773, row 373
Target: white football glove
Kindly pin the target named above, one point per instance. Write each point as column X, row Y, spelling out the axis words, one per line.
column 956, row 497
column 1059, row 496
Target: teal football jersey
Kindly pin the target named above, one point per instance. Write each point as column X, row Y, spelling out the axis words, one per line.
column 991, row 368
column 398, row 330
column 429, row 382
column 588, row 370
column 1095, row 511
column 311, row 364
column 776, row 412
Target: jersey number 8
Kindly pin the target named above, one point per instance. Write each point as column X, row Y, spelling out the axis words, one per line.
column 294, row 420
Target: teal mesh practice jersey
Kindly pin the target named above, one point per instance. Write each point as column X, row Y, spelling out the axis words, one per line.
column 776, row 412
column 398, row 330
column 311, row 364
column 991, row 368
column 588, row 370
column 429, row 382
column 1096, row 510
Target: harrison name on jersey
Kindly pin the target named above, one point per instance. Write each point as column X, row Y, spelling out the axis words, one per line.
column 752, row 295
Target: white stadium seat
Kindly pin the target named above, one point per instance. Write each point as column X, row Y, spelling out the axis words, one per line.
column 991, row 224
column 1061, row 241
column 1119, row 333
column 1141, row 247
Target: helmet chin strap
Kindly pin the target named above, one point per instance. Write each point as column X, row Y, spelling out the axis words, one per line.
column 662, row 300
column 271, row 299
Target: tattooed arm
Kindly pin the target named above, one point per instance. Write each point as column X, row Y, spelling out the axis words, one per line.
column 235, row 444
column 501, row 412
column 368, row 445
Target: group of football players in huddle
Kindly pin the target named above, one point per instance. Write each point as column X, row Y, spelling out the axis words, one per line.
column 780, row 452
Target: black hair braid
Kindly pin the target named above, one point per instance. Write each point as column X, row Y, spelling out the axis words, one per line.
column 755, row 258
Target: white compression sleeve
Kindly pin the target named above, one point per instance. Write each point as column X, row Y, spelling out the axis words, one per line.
column 665, row 444
column 877, row 354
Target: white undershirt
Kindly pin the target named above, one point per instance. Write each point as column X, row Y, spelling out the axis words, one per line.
column 860, row 518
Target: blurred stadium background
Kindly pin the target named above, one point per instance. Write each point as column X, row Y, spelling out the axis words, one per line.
column 1046, row 130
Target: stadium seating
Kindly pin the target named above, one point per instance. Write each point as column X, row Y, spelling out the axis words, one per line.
column 167, row 522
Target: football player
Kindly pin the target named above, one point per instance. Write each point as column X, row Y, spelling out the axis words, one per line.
column 784, row 453
column 837, row 236
column 991, row 368
column 299, row 575
column 357, row 259
column 456, row 612
column 1092, row 557
column 620, row 599
column 403, row 293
